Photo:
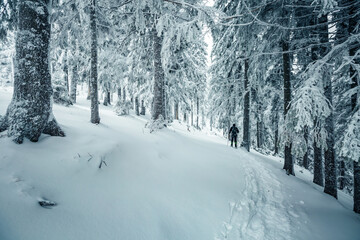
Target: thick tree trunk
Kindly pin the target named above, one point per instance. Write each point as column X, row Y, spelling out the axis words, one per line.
column 318, row 166
column 353, row 21
column 329, row 153
column 29, row 113
column 74, row 81
column 95, row 118
column 318, row 163
column 356, row 187
column 342, row 174
column 246, row 119
column 159, row 77
column 288, row 160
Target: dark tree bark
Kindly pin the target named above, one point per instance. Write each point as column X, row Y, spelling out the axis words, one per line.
column 353, row 21
column 74, row 81
column 329, row 153
column 318, row 162
column 66, row 71
column 137, row 107
column 29, row 113
column 276, row 137
column 288, row 160
column 124, row 94
column 305, row 162
column 159, row 77
column 95, row 118
column 246, row 119
column 119, row 93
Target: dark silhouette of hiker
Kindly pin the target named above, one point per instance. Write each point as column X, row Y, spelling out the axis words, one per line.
column 233, row 132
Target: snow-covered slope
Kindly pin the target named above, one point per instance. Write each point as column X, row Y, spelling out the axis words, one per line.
column 171, row 184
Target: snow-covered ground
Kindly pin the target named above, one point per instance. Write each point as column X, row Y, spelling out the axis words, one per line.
column 167, row 185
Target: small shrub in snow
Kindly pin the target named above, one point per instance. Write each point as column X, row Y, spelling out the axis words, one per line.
column 157, row 124
column 122, row 108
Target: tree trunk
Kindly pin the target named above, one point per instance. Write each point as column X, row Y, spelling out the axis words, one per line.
column 329, row 154
column 192, row 114
column 288, row 160
column 74, row 81
column 342, row 174
column 305, row 162
column 119, row 93
column 107, row 98
column 95, row 118
column 124, row 94
column 318, row 166
column 137, row 107
column 159, row 77
column 30, row 111
column 89, row 91
column 197, row 113
column 276, row 138
column 176, row 110
column 142, row 108
column 353, row 21
column 66, row 71
column 246, row 119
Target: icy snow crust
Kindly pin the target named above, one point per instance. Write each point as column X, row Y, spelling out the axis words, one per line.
column 170, row 184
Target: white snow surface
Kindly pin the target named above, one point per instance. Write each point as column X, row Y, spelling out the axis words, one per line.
column 167, row 185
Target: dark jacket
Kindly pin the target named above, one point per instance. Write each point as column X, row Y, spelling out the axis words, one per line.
column 233, row 131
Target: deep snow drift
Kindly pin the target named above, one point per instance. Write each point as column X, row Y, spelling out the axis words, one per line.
column 171, row 184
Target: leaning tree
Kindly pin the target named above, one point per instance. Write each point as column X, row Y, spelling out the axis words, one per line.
column 30, row 111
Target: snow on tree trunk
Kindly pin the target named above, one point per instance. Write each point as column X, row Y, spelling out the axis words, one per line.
column 95, row 118
column 329, row 153
column 159, row 77
column 352, row 28
column 197, row 113
column 142, row 108
column 30, row 111
column 288, row 160
column 66, row 71
column 246, row 119
column 74, row 81
column 176, row 110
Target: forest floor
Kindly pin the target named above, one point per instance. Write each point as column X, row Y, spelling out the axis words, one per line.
column 167, row 185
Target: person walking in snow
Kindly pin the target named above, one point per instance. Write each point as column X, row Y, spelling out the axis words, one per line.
column 233, row 132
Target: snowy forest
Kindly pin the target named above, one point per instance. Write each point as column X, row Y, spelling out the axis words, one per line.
column 286, row 72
